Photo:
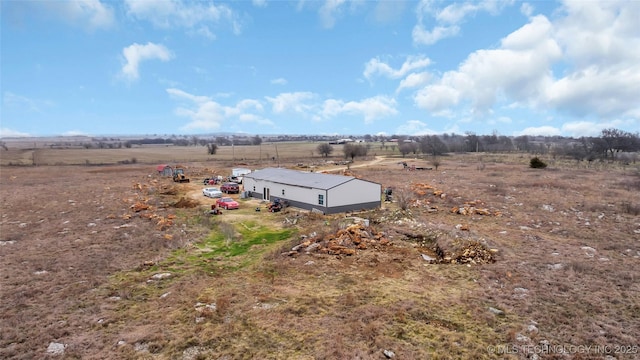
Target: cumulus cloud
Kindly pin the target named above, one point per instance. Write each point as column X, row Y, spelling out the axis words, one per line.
column 540, row 131
column 597, row 46
column 88, row 14
column 259, row 3
column 448, row 19
column 8, row 133
column 329, row 11
column 135, row 54
column 299, row 102
column 184, row 14
column 279, row 81
column 370, row 109
column 205, row 113
column 415, row 128
column 92, row 13
column 414, row 80
column 376, row 66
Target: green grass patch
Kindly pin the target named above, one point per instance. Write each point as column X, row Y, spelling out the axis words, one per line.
column 240, row 239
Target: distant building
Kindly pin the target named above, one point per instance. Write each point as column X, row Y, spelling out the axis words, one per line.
column 327, row 193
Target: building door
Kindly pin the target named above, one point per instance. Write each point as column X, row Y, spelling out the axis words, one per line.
column 265, row 194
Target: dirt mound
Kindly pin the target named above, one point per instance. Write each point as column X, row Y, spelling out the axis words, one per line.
column 343, row 242
column 185, row 203
column 439, row 248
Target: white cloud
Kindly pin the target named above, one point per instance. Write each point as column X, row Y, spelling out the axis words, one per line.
column 23, row 103
column 581, row 128
column 448, row 19
column 136, row 53
column 206, row 114
column 259, row 3
column 185, row 14
column 423, row 36
column 541, row 131
column 89, row 14
column 526, row 9
column 370, row 109
column 329, row 11
column 414, row 80
column 300, row 102
column 377, row 67
column 591, row 128
column 7, row 133
column 519, row 70
column 595, row 44
column 74, row 133
column 415, row 128
column 279, row 81
column 93, row 12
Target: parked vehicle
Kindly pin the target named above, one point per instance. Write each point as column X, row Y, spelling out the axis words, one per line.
column 179, row 175
column 212, row 192
column 230, row 188
column 227, row 203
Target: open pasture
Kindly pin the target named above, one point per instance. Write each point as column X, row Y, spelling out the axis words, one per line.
column 112, row 262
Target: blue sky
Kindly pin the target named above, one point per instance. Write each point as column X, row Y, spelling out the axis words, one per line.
column 319, row 67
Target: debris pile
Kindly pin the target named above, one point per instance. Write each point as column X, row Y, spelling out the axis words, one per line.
column 471, row 253
column 424, row 188
column 141, row 208
column 343, row 242
column 473, row 208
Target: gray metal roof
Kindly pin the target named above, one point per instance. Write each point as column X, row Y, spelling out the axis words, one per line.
column 300, row 178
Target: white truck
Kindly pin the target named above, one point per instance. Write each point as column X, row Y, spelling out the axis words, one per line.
column 237, row 174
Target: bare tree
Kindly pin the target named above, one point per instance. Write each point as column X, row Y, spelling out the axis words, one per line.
column 212, row 149
column 352, row 150
column 325, row 149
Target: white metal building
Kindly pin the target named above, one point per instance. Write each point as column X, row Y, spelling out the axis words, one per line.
column 308, row 190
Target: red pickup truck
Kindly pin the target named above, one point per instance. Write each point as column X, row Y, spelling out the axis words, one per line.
column 230, row 188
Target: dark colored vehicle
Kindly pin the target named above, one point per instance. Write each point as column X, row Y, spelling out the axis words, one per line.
column 230, row 188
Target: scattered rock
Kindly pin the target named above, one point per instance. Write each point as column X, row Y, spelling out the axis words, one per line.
column 520, row 293
column 548, row 208
column 429, row 259
column 555, row 266
column 389, row 354
column 589, row 251
column 55, row 348
column 161, row 276
column 495, row 311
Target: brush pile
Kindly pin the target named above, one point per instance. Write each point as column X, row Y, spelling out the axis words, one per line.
column 343, row 242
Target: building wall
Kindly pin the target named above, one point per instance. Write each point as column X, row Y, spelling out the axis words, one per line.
column 354, row 192
column 351, row 196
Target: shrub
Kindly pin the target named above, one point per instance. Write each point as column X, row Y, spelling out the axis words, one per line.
column 536, row 163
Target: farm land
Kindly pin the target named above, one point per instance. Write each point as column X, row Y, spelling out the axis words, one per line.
column 485, row 258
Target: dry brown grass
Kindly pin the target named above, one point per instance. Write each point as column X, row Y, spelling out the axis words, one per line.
column 567, row 242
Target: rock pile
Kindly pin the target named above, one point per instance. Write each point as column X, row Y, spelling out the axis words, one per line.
column 471, row 253
column 423, row 189
column 473, row 208
column 343, row 242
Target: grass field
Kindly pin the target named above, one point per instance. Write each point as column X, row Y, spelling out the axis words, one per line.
column 114, row 262
column 266, row 153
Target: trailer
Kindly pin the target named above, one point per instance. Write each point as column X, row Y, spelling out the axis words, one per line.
column 237, row 174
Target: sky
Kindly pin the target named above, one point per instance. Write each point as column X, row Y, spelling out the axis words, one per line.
column 159, row 67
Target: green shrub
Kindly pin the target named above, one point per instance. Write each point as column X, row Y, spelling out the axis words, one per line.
column 536, row 163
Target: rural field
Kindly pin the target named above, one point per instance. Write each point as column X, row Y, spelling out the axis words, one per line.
column 481, row 258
